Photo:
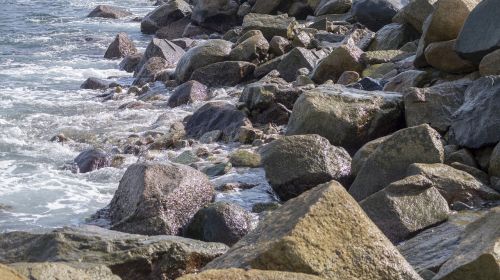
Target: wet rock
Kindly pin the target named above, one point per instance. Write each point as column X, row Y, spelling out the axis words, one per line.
column 355, row 116
column 362, row 155
column 90, row 160
column 188, row 93
column 415, row 13
column 295, row 164
column 237, row 274
column 473, row 45
column 207, row 53
column 107, row 11
column 217, row 115
column 128, row 256
column 341, row 59
column 225, row 73
column 265, row 206
column 66, row 271
column 374, row 14
column 442, row 56
column 279, row 45
column 406, row 207
column 120, row 47
column 219, row 15
column 296, row 59
column 95, row 83
column 332, row 7
column 164, row 15
column 157, row 199
column 407, row 79
column 490, row 64
column 477, row 122
column 8, row 273
column 390, row 160
column 151, row 71
column 130, row 62
column 253, row 49
column 165, row 49
column 244, row 158
column 218, row 169
column 270, row 25
column 187, row 157
column 220, row 222
column 308, row 230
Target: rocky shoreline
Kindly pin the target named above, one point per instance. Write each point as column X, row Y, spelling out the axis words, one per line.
column 372, row 127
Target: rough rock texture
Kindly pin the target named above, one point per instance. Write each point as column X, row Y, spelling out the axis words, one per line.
column 406, row 207
column 341, row 59
column 220, row 222
column 389, row 162
column 218, row 15
column 64, row 271
column 165, row 49
column 253, row 49
column 254, row 274
column 209, row 52
column 90, row 160
column 393, row 36
column 407, row 79
column 174, row 31
column 130, row 62
column 187, row 93
column 270, row 25
column 415, row 13
column 107, row 11
column 152, row 69
column 295, row 164
column 171, row 11
column 296, row 59
column 7, row 273
column 494, row 168
column 120, row 47
column 374, row 14
column 490, row 64
column 362, row 155
column 442, row 56
column 332, row 7
column 157, row 199
column 477, row 122
column 472, row 44
column 95, row 83
column 322, row 232
column 225, row 73
column 355, row 116
column 279, row 45
column 245, row 158
column 129, row 256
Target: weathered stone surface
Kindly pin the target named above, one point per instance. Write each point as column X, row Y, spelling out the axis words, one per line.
column 348, row 77
column 296, row 59
column 207, row 53
column 359, row 37
column 219, row 15
column 90, row 160
column 270, row 25
column 407, row 79
column 490, row 64
column 341, row 59
column 265, row 6
column 129, row 256
column 442, row 56
column 7, row 273
column 494, row 168
column 332, row 7
column 406, row 207
column 478, row 254
column 462, row 155
column 393, row 36
column 304, row 234
column 187, row 93
column 95, row 83
column 130, row 62
column 279, row 45
column 473, row 45
column 415, row 13
column 295, row 164
column 165, row 49
column 253, row 49
column 164, row 15
column 477, row 122
column 245, row 158
column 120, row 47
column 225, row 73
column 107, row 11
column 355, row 116
column 477, row 173
column 157, row 199
column 389, row 162
column 434, row 105
column 174, row 31
column 374, row 14
column 152, row 69
column 384, row 56
column 220, row 222
column 64, row 271
column 362, row 155
column 254, row 274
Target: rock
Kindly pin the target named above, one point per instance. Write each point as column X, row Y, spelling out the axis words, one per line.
column 218, row 169
column 253, row 49
column 95, row 83
column 477, row 173
column 407, row 79
column 296, row 59
column 477, row 256
column 348, row 77
column 473, row 45
column 157, row 199
column 226, row 73
column 209, row 52
column 173, row 31
column 477, row 122
column 405, row 207
column 462, row 155
column 332, row 7
column 490, row 64
column 220, row 222
column 196, row 32
column 380, row 71
column 151, row 71
column 7, row 273
column 90, row 160
column 454, row 185
column 128, row 256
column 237, row 274
column 307, row 231
column 244, row 158
column 377, row 57
column 164, row 15
column 362, row 155
column 165, row 49
column 415, row 13
column 359, row 37
column 341, row 59
column 270, row 25
column 279, row 45
column 494, row 167
column 61, row 270
column 185, row 43
column 368, row 84
column 442, row 56
column 107, row 11
column 374, row 14
column 393, row 36
column 265, row 206
column 355, row 116
column 434, row 105
column 187, row 157
column 120, row 47
column 217, row 115
column 389, row 162
column 188, row 93
column 219, row 15
column 295, row 164
column 130, row 62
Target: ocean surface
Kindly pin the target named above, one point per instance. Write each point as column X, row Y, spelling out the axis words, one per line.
column 47, row 49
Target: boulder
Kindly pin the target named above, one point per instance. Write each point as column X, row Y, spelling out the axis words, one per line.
column 253, row 49
column 217, row 115
column 384, row 56
column 187, row 93
column 295, row 164
column 478, row 254
column 254, row 274
column 348, row 77
column 120, row 47
column 490, row 64
column 332, row 7
column 390, row 160
column 266, row 6
column 107, row 11
column 476, row 172
column 494, row 167
column 434, row 105
column 393, row 36
column 322, row 232
column 209, row 52
column 455, row 185
column 359, row 37
column 355, row 116
column 405, row 207
column 171, row 11
column 95, row 83
column 477, row 122
column 362, row 155
column 415, row 13
column 245, row 158
column 151, row 71
column 66, row 271
column 130, row 62
column 7, row 273
column 341, row 59
column 221, row 222
column 296, row 59
column 129, row 256
column 165, row 49
column 407, row 79
column 174, row 31
column 157, row 199
column 90, row 160
column 279, row 45
column 442, row 56
column 270, row 25
column 374, row 14
column 473, row 45
column 225, row 73
column 219, row 15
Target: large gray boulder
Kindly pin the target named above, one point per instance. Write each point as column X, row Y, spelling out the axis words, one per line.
column 108, row 11
column 393, row 36
column 415, row 13
column 477, row 122
column 253, row 48
column 295, row 164
column 92, row 159
column 332, row 7
column 225, row 73
column 156, row 199
column 270, row 25
column 344, row 58
column 389, row 162
column 219, row 15
column 120, row 47
column 374, row 14
column 162, row 48
column 296, row 59
column 354, row 116
column 151, row 71
column 62, row 270
column 187, row 93
column 171, row 11
column 322, row 232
